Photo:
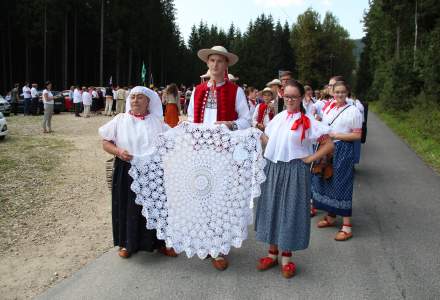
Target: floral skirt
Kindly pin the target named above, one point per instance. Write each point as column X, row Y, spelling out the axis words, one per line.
column 335, row 195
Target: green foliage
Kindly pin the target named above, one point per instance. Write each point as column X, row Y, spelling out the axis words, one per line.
column 419, row 127
column 140, row 31
column 322, row 49
column 398, row 66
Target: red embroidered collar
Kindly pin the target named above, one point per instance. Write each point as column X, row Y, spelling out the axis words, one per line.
column 138, row 116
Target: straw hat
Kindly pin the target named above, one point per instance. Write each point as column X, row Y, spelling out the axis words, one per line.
column 267, row 90
column 232, row 77
column 203, row 54
column 274, row 82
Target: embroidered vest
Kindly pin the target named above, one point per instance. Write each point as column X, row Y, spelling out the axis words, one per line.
column 226, row 95
column 261, row 112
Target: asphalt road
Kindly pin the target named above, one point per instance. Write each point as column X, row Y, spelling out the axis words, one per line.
column 395, row 252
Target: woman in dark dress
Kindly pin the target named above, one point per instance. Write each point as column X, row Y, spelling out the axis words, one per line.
column 126, row 136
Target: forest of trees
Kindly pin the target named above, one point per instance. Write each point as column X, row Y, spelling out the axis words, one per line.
column 60, row 40
column 400, row 64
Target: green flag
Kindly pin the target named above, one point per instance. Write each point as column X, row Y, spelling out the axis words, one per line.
column 143, row 73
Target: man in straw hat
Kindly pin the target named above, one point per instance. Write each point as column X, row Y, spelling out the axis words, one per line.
column 264, row 112
column 278, row 103
column 219, row 101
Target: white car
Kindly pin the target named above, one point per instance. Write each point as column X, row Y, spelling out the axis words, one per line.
column 3, row 127
column 5, row 106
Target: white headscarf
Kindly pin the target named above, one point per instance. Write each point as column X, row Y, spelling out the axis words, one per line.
column 155, row 107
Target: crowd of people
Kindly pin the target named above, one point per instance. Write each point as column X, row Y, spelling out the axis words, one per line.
column 310, row 141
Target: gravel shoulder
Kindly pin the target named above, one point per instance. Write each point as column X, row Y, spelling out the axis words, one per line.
column 55, row 208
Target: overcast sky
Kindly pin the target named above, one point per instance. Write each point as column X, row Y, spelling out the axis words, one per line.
column 240, row 12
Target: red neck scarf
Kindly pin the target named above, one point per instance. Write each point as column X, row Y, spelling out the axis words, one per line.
column 305, row 122
column 333, row 103
column 291, row 113
column 138, row 116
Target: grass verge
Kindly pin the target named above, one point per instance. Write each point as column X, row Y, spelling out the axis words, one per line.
column 419, row 128
column 29, row 168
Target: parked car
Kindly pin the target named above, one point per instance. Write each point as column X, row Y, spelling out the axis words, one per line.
column 5, row 106
column 68, row 103
column 3, row 127
column 58, row 98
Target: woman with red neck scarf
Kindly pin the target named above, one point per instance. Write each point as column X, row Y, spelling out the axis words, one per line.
column 128, row 136
column 335, row 195
column 283, row 209
column 264, row 112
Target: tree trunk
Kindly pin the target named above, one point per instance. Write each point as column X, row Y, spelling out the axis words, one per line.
column 161, row 67
column 5, row 81
column 10, row 51
column 75, row 46
column 44, row 43
column 130, row 64
column 101, row 49
column 398, row 41
column 118, row 50
column 66, row 48
column 26, row 56
column 415, row 36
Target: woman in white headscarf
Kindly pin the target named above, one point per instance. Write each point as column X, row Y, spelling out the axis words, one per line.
column 127, row 136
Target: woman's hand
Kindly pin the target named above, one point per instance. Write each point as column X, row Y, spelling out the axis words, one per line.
column 333, row 135
column 264, row 139
column 124, row 155
column 260, row 126
column 227, row 123
column 308, row 159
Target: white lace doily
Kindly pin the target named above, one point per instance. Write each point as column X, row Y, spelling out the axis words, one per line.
column 197, row 189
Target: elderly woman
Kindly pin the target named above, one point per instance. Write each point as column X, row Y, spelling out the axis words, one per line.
column 128, row 135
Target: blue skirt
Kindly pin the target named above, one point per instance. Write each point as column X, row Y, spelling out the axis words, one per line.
column 357, row 151
column 336, row 194
column 283, row 209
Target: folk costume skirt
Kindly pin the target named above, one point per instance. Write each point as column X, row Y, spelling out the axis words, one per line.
column 357, row 152
column 171, row 114
column 283, row 209
column 129, row 226
column 335, row 195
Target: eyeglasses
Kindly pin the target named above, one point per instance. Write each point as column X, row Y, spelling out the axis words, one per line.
column 292, row 98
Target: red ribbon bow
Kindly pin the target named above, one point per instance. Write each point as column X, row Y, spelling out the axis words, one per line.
column 305, row 122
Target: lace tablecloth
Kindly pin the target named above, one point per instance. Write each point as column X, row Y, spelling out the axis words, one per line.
column 197, row 188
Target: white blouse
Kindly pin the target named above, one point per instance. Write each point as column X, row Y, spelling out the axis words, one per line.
column 350, row 120
column 285, row 144
column 26, row 92
column 318, row 106
column 133, row 134
column 76, row 96
column 266, row 118
column 47, row 97
column 86, row 98
column 308, row 107
column 210, row 116
column 252, row 108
